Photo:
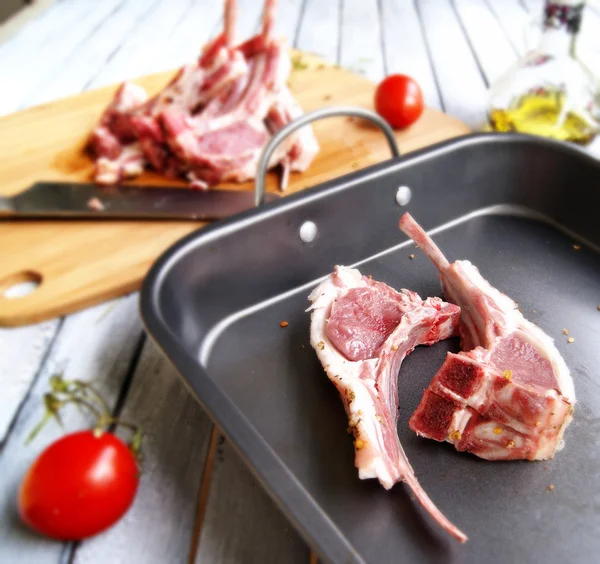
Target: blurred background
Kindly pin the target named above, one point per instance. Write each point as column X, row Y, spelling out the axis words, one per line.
column 455, row 49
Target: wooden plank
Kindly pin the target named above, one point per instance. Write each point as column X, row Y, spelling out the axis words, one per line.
column 535, row 7
column 76, row 73
column 22, row 351
column 202, row 22
column 513, row 19
column 318, row 30
column 405, row 48
column 287, row 19
column 360, row 18
column 20, row 49
column 44, row 64
column 159, row 525
column 491, row 46
column 96, row 345
column 461, row 83
column 249, row 18
column 241, row 523
column 137, row 54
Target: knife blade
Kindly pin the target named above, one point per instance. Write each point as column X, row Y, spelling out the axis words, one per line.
column 74, row 200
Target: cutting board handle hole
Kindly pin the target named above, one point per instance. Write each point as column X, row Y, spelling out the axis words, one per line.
column 20, row 284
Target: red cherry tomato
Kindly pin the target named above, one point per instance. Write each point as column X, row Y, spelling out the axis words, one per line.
column 399, row 100
column 79, row 486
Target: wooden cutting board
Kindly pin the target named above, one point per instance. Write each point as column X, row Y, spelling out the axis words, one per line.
column 78, row 264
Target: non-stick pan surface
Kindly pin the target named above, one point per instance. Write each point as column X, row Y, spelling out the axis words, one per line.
column 527, row 213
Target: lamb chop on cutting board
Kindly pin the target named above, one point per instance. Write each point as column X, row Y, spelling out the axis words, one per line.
column 362, row 330
column 509, row 394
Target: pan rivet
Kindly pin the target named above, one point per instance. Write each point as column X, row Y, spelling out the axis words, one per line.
column 403, row 195
column 308, row 231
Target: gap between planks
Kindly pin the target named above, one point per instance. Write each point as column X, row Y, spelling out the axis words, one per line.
column 203, row 494
column 216, row 440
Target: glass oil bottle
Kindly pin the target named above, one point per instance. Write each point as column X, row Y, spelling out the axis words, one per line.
column 549, row 92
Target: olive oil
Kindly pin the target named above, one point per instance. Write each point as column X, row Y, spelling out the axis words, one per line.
column 544, row 113
column 548, row 92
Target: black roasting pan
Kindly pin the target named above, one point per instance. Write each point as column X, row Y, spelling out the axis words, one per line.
column 526, row 211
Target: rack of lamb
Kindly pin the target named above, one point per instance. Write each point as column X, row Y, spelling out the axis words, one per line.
column 211, row 122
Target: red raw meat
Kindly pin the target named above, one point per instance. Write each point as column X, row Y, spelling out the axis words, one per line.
column 509, row 394
column 114, row 142
column 211, row 122
column 362, row 330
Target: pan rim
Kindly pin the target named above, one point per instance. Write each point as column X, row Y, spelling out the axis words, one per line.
column 290, row 496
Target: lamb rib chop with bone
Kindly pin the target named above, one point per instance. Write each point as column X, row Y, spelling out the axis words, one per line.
column 362, row 330
column 509, row 394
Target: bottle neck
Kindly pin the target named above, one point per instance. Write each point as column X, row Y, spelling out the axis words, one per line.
column 562, row 20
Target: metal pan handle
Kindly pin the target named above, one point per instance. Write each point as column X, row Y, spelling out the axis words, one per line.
column 265, row 157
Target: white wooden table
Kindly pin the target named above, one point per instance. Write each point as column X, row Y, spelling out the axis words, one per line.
column 197, row 501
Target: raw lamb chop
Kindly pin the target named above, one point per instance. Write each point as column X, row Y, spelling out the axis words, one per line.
column 362, row 330
column 225, row 140
column 509, row 394
column 211, row 122
column 114, row 142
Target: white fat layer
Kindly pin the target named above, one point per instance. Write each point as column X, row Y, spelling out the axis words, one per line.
column 304, row 137
column 107, row 171
column 129, row 163
column 346, row 376
column 129, row 96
